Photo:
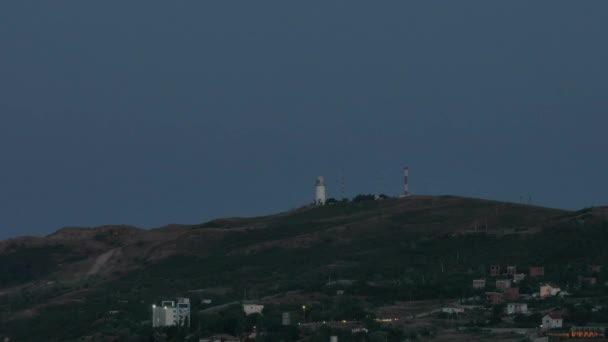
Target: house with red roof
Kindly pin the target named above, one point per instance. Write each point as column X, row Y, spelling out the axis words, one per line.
column 537, row 272
column 494, row 298
column 511, row 293
column 552, row 320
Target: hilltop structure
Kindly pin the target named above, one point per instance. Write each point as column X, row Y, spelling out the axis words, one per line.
column 320, row 191
column 406, row 182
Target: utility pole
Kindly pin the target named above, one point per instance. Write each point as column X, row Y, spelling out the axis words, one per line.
column 343, row 185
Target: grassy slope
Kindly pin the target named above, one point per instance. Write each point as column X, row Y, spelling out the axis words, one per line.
column 400, row 245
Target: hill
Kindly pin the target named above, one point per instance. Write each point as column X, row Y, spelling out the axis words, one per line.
column 380, row 251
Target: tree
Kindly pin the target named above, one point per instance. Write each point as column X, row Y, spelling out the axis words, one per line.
column 363, row 198
column 331, row 200
column 378, row 336
column 497, row 313
column 528, row 321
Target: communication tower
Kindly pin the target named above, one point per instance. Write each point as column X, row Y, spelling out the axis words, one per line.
column 406, row 181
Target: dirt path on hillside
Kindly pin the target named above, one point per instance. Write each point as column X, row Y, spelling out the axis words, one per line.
column 101, row 260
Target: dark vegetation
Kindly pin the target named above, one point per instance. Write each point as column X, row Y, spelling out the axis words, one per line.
column 27, row 264
column 390, row 251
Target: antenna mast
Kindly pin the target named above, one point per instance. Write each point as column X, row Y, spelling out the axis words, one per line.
column 406, row 181
column 343, row 185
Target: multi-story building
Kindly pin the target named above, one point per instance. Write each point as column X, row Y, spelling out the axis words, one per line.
column 171, row 313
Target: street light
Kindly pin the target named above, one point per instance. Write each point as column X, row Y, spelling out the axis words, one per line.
column 304, row 310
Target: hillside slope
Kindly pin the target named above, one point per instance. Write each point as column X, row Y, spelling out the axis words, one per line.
column 416, row 247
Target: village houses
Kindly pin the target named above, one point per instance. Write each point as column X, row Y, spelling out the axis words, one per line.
column 479, row 283
column 251, row 309
column 517, row 277
column 594, row 268
column 453, row 309
column 511, row 293
column 517, row 308
column 503, row 284
column 552, row 320
column 549, row 290
column 537, row 272
column 590, row 281
column 494, row 298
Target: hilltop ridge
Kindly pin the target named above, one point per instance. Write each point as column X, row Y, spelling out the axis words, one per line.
column 293, row 229
column 384, row 244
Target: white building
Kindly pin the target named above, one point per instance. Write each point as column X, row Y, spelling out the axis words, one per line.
column 519, row 277
column 170, row 313
column 503, row 284
column 164, row 316
column 251, row 309
column 517, row 308
column 552, row 320
column 479, row 283
column 320, row 191
column 453, row 309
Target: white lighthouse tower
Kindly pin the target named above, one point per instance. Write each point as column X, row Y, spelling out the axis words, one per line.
column 320, row 191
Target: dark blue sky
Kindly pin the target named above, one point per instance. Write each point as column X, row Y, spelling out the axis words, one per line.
column 155, row 112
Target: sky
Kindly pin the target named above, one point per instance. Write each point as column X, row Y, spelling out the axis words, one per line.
column 153, row 112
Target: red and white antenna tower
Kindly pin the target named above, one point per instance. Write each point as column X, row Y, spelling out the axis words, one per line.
column 406, row 181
